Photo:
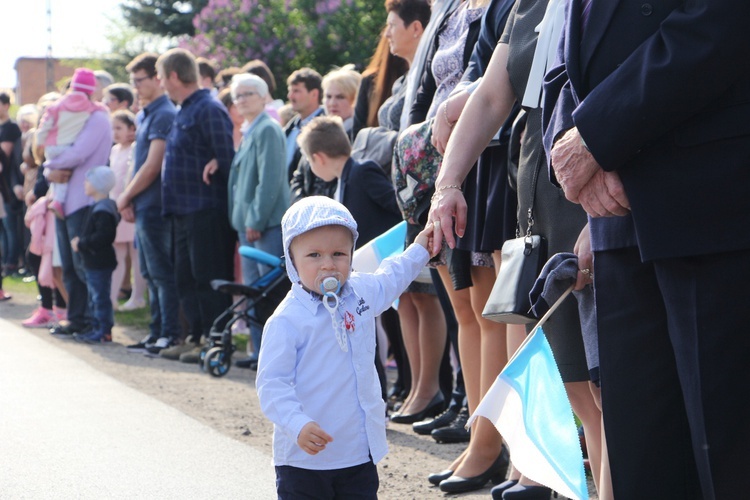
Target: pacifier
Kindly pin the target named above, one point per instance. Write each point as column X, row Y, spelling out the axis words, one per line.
column 329, row 285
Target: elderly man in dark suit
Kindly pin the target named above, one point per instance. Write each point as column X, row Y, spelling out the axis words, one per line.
column 646, row 125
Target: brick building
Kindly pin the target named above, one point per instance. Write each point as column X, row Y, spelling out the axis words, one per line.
column 31, row 77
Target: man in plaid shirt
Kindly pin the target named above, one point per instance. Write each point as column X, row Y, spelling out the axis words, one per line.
column 199, row 152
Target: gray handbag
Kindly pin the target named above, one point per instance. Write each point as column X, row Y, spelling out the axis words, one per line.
column 375, row 144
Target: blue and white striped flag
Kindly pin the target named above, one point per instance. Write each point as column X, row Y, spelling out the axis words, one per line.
column 529, row 407
column 368, row 258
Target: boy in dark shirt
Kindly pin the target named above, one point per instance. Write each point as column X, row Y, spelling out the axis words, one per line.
column 98, row 254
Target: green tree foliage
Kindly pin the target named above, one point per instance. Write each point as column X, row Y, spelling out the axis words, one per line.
column 162, row 17
column 287, row 34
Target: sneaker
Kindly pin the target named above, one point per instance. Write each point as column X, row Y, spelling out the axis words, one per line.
column 160, row 344
column 132, row 305
column 192, row 356
column 93, row 337
column 57, row 208
column 4, row 296
column 42, row 318
column 66, row 329
column 176, row 351
column 240, row 328
column 61, row 314
column 141, row 346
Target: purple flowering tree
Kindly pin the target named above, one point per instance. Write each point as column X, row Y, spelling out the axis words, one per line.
column 287, row 34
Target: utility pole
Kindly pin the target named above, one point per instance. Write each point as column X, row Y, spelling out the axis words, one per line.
column 50, row 73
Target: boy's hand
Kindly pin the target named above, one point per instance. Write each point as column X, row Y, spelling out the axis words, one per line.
column 426, row 239
column 312, row 439
column 74, row 243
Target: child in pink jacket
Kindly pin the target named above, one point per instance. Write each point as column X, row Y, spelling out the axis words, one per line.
column 61, row 124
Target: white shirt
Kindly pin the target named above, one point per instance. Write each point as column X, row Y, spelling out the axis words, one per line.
column 304, row 376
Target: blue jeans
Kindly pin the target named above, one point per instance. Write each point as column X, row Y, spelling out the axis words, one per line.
column 74, row 276
column 99, row 282
column 203, row 251
column 154, row 240
column 269, row 242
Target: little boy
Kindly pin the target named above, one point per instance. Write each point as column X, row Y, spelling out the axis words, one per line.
column 63, row 121
column 363, row 188
column 316, row 379
column 97, row 251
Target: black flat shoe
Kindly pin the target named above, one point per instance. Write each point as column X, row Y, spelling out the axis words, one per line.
column 496, row 473
column 436, row 477
column 443, row 420
column 521, row 492
column 497, row 491
column 434, row 407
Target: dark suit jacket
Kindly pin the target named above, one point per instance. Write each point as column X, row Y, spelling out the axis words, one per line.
column 369, row 195
column 660, row 92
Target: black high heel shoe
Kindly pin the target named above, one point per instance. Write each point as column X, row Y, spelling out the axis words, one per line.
column 437, row 477
column 521, row 492
column 435, row 406
column 495, row 474
column 497, row 491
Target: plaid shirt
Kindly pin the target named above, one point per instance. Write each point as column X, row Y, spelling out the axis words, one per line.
column 202, row 131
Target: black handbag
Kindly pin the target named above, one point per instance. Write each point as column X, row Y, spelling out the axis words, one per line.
column 522, row 260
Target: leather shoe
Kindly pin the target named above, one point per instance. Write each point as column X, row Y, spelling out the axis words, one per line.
column 456, row 432
column 437, row 477
column 496, row 473
column 434, row 407
column 497, row 491
column 521, row 492
column 443, row 420
column 248, row 362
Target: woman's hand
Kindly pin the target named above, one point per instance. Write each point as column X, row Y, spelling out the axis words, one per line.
column 582, row 249
column 448, row 207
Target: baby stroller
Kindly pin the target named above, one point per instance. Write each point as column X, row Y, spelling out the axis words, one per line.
column 256, row 304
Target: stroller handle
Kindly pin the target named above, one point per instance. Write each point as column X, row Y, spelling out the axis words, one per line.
column 260, row 256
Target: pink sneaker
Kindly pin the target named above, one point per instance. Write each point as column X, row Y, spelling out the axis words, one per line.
column 57, row 208
column 60, row 314
column 42, row 318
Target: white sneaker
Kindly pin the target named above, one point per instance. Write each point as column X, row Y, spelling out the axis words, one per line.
column 132, row 305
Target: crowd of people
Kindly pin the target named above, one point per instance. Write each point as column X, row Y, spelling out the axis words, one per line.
column 475, row 121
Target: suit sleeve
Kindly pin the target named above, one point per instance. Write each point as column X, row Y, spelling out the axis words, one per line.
column 699, row 51
column 379, row 188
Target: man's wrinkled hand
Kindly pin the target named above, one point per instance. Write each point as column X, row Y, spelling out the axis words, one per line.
column 573, row 164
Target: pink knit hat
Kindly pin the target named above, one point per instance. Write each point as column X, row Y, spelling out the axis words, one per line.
column 83, row 81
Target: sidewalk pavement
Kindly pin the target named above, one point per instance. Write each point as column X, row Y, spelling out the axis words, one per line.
column 70, row 431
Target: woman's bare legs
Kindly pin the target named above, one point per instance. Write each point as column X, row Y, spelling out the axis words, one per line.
column 604, row 482
column 425, row 318
column 409, row 319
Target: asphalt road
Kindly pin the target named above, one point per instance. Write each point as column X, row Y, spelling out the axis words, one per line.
column 69, row 431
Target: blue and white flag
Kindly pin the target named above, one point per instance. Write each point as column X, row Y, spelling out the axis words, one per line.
column 367, row 259
column 529, row 407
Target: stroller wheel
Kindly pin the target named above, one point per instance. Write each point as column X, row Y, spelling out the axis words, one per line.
column 202, row 359
column 217, row 362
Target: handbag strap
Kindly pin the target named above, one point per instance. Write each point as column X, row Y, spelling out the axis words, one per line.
column 530, row 211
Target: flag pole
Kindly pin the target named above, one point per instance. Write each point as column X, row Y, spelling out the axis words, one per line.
column 542, row 321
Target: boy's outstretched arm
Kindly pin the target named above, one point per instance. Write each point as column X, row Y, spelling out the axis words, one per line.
column 426, row 239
